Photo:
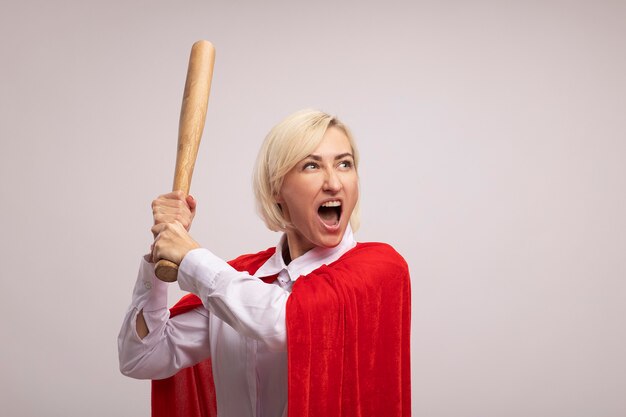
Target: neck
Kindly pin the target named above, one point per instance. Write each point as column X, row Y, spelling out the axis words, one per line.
column 294, row 247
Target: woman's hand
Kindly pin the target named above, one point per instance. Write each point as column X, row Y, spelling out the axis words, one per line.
column 174, row 207
column 171, row 242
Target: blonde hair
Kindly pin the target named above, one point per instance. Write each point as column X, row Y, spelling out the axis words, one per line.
column 288, row 143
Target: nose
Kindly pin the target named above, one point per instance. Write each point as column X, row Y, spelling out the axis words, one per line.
column 332, row 182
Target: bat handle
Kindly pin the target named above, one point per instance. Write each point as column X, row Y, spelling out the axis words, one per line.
column 166, row 271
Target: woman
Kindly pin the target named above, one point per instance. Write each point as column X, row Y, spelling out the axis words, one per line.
column 318, row 325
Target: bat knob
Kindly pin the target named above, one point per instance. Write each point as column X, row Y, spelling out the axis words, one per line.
column 166, row 271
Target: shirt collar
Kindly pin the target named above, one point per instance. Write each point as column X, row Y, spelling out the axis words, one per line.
column 308, row 262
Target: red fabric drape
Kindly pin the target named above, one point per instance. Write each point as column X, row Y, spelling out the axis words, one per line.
column 348, row 333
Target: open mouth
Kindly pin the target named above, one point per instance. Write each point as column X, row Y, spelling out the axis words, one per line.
column 330, row 213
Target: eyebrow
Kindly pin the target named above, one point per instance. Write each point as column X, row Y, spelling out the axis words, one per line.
column 340, row 156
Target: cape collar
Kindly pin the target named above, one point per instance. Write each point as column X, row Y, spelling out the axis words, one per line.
column 308, row 262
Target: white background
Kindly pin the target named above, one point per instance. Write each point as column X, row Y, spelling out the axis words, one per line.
column 493, row 150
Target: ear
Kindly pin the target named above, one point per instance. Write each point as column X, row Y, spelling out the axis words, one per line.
column 278, row 199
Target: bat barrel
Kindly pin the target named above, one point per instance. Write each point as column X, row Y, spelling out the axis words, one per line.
column 193, row 112
column 190, row 126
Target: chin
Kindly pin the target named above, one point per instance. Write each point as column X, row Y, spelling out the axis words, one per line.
column 332, row 240
column 328, row 244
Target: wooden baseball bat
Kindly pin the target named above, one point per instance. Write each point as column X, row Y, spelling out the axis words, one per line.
column 190, row 127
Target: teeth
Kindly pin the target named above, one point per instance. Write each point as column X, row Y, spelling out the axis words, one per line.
column 332, row 204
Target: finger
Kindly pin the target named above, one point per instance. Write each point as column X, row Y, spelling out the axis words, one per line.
column 176, row 227
column 184, row 220
column 169, row 204
column 178, row 195
column 171, row 217
column 169, row 214
column 155, row 254
column 158, row 228
column 160, row 244
column 172, row 199
column 168, row 229
column 173, row 195
column 153, row 250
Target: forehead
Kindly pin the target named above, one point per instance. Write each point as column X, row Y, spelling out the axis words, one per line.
column 334, row 142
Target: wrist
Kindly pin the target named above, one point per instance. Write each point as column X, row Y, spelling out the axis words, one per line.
column 193, row 245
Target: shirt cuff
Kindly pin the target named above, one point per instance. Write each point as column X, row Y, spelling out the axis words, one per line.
column 199, row 270
column 150, row 293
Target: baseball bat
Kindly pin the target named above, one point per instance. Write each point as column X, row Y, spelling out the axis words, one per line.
column 190, row 127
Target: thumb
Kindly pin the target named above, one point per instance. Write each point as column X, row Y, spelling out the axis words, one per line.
column 191, row 202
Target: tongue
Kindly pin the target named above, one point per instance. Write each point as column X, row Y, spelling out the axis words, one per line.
column 329, row 216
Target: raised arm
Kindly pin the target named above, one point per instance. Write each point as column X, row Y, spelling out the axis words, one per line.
column 170, row 344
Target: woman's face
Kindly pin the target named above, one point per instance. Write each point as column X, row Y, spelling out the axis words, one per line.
column 319, row 194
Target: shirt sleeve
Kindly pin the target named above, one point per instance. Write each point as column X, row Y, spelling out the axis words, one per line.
column 172, row 344
column 250, row 306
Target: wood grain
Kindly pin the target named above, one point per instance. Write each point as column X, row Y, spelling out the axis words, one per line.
column 190, row 128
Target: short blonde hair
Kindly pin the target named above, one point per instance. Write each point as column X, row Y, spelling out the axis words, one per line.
column 288, row 143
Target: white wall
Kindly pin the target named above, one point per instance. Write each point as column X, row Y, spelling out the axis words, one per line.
column 493, row 142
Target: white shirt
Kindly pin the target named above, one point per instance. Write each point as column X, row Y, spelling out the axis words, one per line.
column 241, row 326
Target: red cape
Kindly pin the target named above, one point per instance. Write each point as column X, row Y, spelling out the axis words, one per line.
column 348, row 334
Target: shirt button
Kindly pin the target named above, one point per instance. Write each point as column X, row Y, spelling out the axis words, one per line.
column 147, row 285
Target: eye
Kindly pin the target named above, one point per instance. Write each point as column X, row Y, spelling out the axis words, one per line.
column 345, row 164
column 309, row 166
